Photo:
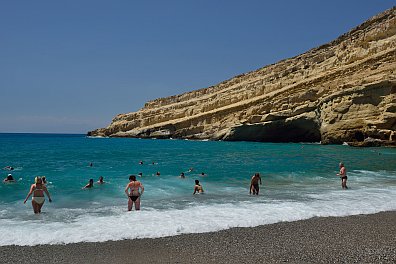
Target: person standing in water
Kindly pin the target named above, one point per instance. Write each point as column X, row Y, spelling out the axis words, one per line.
column 343, row 176
column 38, row 189
column 254, row 184
column 198, row 187
column 133, row 193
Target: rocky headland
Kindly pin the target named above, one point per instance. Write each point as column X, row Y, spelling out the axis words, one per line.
column 343, row 91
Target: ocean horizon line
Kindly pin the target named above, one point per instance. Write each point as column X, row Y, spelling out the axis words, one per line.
column 42, row 133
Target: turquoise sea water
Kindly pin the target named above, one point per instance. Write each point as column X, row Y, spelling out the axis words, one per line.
column 299, row 182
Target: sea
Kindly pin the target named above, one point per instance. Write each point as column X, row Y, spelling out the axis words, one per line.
column 298, row 182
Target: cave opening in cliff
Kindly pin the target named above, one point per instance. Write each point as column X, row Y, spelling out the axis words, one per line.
column 300, row 130
column 359, row 136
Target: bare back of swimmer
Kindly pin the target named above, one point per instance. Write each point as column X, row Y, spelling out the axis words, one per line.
column 134, row 190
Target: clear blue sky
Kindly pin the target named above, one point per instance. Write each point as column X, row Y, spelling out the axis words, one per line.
column 71, row 66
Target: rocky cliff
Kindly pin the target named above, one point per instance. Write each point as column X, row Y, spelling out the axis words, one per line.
column 344, row 91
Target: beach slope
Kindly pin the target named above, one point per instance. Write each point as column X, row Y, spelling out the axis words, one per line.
column 352, row 239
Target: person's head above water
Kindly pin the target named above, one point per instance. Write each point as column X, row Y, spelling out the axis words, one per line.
column 101, row 178
column 91, row 181
column 257, row 174
column 197, row 182
column 132, row 178
column 9, row 177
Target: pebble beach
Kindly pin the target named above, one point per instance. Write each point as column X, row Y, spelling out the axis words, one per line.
column 351, row 239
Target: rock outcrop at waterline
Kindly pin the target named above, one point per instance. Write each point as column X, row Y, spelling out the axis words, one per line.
column 344, row 91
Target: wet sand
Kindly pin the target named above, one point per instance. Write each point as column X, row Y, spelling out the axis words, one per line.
column 352, row 239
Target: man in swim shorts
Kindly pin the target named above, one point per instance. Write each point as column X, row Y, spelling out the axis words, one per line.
column 343, row 176
column 254, row 184
column 133, row 193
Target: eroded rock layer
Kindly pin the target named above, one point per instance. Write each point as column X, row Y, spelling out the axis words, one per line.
column 344, row 91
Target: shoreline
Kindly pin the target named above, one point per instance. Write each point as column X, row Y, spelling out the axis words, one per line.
column 358, row 238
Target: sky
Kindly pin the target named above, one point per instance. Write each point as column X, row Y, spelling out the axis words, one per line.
column 71, row 66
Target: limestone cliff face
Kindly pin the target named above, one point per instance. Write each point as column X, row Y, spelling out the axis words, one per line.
column 342, row 91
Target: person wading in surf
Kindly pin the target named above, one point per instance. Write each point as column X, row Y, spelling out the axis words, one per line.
column 343, row 176
column 254, row 184
column 132, row 191
column 38, row 189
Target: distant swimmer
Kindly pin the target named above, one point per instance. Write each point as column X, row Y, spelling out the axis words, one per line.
column 38, row 189
column 342, row 174
column 182, row 175
column 100, row 181
column 91, row 164
column 140, row 174
column 190, row 169
column 203, row 174
column 44, row 180
column 9, row 178
column 254, row 184
column 198, row 187
column 141, row 162
column 9, row 168
column 158, row 173
column 89, row 185
column 133, row 193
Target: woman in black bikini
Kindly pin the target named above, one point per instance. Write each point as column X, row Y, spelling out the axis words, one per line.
column 132, row 191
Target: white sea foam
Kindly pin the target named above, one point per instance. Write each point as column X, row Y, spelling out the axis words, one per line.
column 113, row 223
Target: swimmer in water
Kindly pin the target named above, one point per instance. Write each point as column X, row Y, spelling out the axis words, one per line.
column 342, row 174
column 89, row 185
column 38, row 189
column 141, row 162
column 182, row 175
column 8, row 168
column 198, row 187
column 140, row 174
column 9, row 178
column 133, row 193
column 203, row 174
column 158, row 173
column 44, row 180
column 100, row 181
column 254, row 186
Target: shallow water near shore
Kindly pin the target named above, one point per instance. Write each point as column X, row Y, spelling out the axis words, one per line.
column 299, row 182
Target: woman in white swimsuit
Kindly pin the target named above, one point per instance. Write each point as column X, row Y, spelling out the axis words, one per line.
column 38, row 189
